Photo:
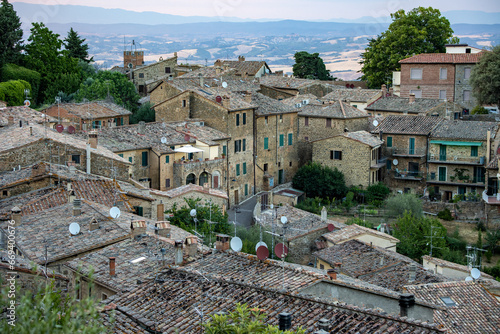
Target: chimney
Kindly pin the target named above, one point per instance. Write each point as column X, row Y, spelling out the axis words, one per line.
column 244, row 75
column 112, row 266
column 175, row 54
column 218, row 63
column 218, row 70
column 222, row 242
column 142, row 128
column 16, row 216
column 248, row 97
column 332, row 273
column 324, row 214
column 384, row 90
column 160, row 212
column 71, row 196
column 163, row 229
column 413, row 272
column 226, row 102
column 202, row 80
column 324, row 324
column 10, row 120
column 191, row 246
column 93, row 139
column 241, row 58
column 94, row 224
column 77, row 207
column 285, row 321
column 391, row 91
column 138, row 227
column 412, row 98
column 178, row 252
column 406, row 303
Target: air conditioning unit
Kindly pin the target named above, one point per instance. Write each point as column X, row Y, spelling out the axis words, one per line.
column 298, row 105
column 200, row 123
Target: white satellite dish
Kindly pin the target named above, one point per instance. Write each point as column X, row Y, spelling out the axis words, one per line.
column 224, row 84
column 475, row 273
column 468, row 279
column 236, row 244
column 192, row 212
column 375, row 122
column 114, row 212
column 163, row 140
column 284, row 220
column 260, row 243
column 395, row 162
column 74, row 228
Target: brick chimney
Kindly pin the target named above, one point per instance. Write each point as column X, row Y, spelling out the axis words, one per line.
column 178, row 252
column 160, row 212
column 324, row 214
column 141, row 129
column 413, row 272
column 406, row 304
column 222, row 242
column 77, row 207
column 138, row 227
column 191, row 246
column 163, row 229
column 15, row 215
column 241, row 58
column 324, row 324
column 412, row 98
column 202, row 80
column 391, row 91
column 226, row 102
column 112, row 266
column 332, row 273
column 93, row 139
column 94, row 224
column 384, row 90
column 10, row 120
column 248, row 97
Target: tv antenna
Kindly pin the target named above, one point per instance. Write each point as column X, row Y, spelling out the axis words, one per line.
column 433, row 236
column 473, row 259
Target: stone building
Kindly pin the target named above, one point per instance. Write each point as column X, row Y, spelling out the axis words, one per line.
column 278, row 87
column 361, row 233
column 357, row 155
column 25, row 145
column 162, row 69
column 87, row 116
column 24, row 115
column 405, row 140
column 394, row 105
column 357, row 98
column 245, row 68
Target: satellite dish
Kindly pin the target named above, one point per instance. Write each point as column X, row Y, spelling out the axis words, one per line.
column 74, row 228
column 284, row 220
column 218, row 99
column 281, row 250
column 163, row 140
column 236, row 244
column 375, row 122
column 71, row 129
column 114, row 212
column 224, row 84
column 27, row 103
column 260, row 243
column 331, row 227
column 395, row 162
column 468, row 279
column 475, row 273
column 262, row 253
column 193, row 212
column 59, row 128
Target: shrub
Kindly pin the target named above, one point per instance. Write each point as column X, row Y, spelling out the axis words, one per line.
column 15, row 72
column 398, row 204
column 12, row 92
column 445, row 214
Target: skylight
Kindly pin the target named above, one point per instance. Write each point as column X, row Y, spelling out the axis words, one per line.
column 448, row 301
column 142, row 258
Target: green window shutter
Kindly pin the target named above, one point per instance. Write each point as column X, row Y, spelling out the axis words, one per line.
column 237, row 119
column 144, row 159
column 244, row 168
column 473, row 151
column 244, row 118
column 121, row 155
column 266, row 143
column 130, row 159
column 290, row 139
column 224, row 150
column 442, row 173
column 246, row 189
column 389, row 164
column 121, row 120
column 412, row 146
column 282, row 140
column 389, row 141
column 167, row 159
column 244, row 145
column 237, row 169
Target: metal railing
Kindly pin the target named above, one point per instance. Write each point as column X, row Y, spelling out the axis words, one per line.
column 458, row 158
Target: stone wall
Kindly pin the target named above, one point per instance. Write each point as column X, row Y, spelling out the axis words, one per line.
column 275, row 93
column 161, row 93
column 175, row 109
column 183, row 169
column 300, row 249
column 463, row 210
column 317, row 127
column 153, row 72
column 27, row 280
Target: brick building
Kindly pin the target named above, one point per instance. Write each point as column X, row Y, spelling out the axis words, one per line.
column 394, row 105
column 356, row 154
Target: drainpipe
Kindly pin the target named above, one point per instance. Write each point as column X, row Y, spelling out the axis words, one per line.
column 88, row 158
column 488, row 150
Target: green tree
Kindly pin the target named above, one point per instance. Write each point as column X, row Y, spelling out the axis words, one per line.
column 76, row 47
column 11, row 35
column 15, row 72
column 145, row 113
column 377, row 193
column 116, row 84
column 49, row 310
column 12, row 92
column 243, row 321
column 310, row 66
column 413, row 233
column 320, row 181
column 485, row 78
column 396, row 205
column 421, row 30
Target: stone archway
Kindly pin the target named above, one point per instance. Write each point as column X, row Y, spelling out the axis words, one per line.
column 203, row 178
column 191, row 178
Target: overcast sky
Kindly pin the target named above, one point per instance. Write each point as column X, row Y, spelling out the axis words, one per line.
column 283, row 9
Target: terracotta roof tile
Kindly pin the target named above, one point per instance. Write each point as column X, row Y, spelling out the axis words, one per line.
column 464, row 130
column 402, row 105
column 352, row 231
column 96, row 109
column 443, row 58
column 332, row 110
column 410, row 125
column 24, row 114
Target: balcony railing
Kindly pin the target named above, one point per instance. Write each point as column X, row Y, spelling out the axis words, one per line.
column 406, row 151
column 435, row 177
column 408, row 175
column 456, row 159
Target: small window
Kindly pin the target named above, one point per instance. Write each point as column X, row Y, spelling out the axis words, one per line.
column 281, row 118
column 76, row 158
column 120, row 155
column 129, row 159
column 144, row 159
column 244, row 145
column 467, row 73
column 237, row 119
column 416, row 74
column 443, row 73
column 290, row 164
column 306, row 121
column 448, row 301
column 389, row 141
column 321, row 266
column 184, row 103
column 167, row 183
column 389, row 164
column 237, row 146
column 104, row 296
column 246, row 189
column 466, row 95
column 167, row 69
column 244, row 168
column 328, row 122
column 139, row 210
column 167, row 159
column 5, row 193
column 290, row 139
column 336, row 155
column 265, row 167
column 266, row 119
column 442, row 94
column 141, row 75
column 237, row 169
column 355, row 105
column 266, row 143
column 473, row 151
column 282, row 140
column 244, row 121
column 224, row 149
column 306, row 138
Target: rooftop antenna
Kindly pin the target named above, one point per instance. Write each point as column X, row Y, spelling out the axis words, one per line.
column 473, row 260
column 433, row 236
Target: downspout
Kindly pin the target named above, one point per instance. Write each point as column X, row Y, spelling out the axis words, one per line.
column 88, row 158
column 488, row 149
column 227, row 175
column 254, row 152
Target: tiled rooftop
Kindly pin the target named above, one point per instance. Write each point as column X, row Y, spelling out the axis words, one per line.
column 96, row 109
column 50, row 228
column 182, row 190
column 170, row 305
column 399, row 104
column 24, row 265
column 205, row 134
column 352, row 231
column 364, row 137
column 15, row 137
column 24, row 114
column 289, row 82
column 299, row 223
column 269, row 106
column 334, row 109
column 126, row 273
column 249, row 67
column 464, row 130
column 376, row 265
column 475, row 310
column 353, row 95
column 300, row 98
column 452, row 265
column 408, row 125
column 443, row 58
column 207, row 72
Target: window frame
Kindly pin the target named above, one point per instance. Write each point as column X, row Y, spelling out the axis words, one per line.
column 416, row 73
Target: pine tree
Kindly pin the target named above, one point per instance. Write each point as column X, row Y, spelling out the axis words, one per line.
column 76, row 48
column 11, row 34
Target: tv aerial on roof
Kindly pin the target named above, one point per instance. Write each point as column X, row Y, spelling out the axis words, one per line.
column 236, row 244
column 114, row 212
column 262, row 253
column 284, row 220
column 71, row 129
column 60, row 128
column 331, row 227
column 163, row 140
column 74, row 228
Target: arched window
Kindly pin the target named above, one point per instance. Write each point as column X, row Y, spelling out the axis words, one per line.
column 203, row 178
column 191, row 178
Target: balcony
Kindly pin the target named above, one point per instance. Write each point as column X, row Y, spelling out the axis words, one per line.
column 417, row 152
column 453, row 180
column 495, row 199
column 456, row 159
column 409, row 175
column 381, row 162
